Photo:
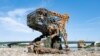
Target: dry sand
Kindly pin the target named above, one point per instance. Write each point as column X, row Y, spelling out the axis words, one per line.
column 23, row 52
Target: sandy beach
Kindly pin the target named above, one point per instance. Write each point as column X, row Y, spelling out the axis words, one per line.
column 24, row 52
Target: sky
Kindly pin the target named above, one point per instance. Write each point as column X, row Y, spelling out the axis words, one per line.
column 84, row 21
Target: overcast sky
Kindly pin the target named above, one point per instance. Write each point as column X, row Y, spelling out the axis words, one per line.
column 84, row 22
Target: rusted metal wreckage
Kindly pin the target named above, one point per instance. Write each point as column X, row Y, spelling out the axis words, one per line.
column 51, row 25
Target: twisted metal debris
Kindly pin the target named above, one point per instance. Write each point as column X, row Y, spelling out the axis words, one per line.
column 50, row 24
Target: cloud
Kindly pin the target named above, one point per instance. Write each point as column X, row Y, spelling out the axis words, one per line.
column 95, row 20
column 13, row 25
column 14, row 20
column 18, row 12
column 46, row 3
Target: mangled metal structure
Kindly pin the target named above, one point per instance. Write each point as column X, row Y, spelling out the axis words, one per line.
column 50, row 24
